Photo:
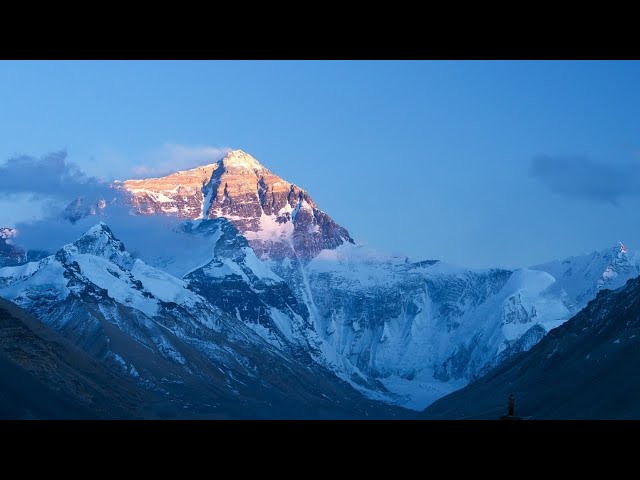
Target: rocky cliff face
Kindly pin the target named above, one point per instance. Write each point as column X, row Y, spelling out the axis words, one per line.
column 82, row 207
column 278, row 218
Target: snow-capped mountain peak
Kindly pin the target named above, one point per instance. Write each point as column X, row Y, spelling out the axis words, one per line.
column 279, row 218
column 620, row 266
column 623, row 249
column 261, row 253
column 99, row 241
column 240, row 158
column 582, row 276
column 100, row 230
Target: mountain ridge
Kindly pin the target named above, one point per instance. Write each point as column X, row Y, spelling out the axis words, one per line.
column 267, row 266
column 154, row 330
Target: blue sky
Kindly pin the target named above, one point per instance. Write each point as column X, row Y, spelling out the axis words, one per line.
column 478, row 163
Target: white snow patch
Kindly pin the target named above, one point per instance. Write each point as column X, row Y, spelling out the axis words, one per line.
column 271, row 230
column 283, row 322
column 422, row 391
column 265, row 333
column 163, row 286
column 120, row 360
column 14, row 274
column 96, row 269
column 295, row 211
column 47, row 278
column 531, row 287
column 258, row 267
column 206, row 202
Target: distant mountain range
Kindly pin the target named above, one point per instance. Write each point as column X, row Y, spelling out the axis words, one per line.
column 279, row 313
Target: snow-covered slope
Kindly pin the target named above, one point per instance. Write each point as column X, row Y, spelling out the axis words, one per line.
column 95, row 276
column 153, row 328
column 424, row 328
column 581, row 277
column 427, row 328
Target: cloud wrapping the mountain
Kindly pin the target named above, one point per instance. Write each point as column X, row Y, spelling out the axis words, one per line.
column 57, row 182
column 54, row 175
column 583, row 178
column 145, row 237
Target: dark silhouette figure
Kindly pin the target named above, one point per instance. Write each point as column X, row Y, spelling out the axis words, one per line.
column 511, row 409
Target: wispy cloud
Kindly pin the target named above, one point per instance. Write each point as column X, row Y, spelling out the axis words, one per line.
column 582, row 177
column 172, row 156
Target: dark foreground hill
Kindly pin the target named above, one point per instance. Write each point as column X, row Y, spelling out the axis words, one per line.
column 42, row 375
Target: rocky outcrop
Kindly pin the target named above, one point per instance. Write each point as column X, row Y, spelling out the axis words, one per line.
column 179, row 194
column 82, row 207
column 10, row 254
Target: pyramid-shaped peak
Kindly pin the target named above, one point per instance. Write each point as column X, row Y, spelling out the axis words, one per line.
column 99, row 240
column 263, row 206
column 99, row 234
column 240, row 158
column 99, row 228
